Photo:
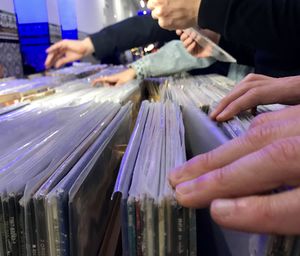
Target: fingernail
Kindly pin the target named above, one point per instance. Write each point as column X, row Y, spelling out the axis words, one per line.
column 221, row 116
column 223, row 207
column 173, row 179
column 212, row 114
column 184, row 188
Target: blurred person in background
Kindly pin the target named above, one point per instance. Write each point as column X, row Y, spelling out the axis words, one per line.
column 109, row 42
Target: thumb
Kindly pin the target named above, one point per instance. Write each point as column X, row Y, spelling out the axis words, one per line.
column 275, row 214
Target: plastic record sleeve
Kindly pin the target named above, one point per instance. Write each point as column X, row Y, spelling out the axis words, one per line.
column 217, row 52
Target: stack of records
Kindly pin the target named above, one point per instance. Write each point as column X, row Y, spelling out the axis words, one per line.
column 206, row 92
column 203, row 135
column 77, row 70
column 200, row 91
column 152, row 222
column 58, row 165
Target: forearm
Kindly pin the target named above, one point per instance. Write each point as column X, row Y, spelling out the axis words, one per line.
column 170, row 59
column 127, row 34
column 88, row 45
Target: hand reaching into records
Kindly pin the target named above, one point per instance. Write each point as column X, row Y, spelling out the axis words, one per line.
column 256, row 90
column 67, row 51
column 234, row 178
column 189, row 40
column 175, row 14
column 117, row 79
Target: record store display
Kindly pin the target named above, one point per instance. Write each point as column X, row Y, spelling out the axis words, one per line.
column 152, row 222
column 66, row 188
column 59, row 161
column 202, row 135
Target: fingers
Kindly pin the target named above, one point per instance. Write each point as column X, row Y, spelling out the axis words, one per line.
column 253, row 140
column 241, row 100
column 184, row 36
column 278, row 116
column 49, row 60
column 61, row 61
column 275, row 214
column 179, row 32
column 111, row 80
column 257, row 172
column 56, row 46
column 187, row 42
column 55, row 52
column 246, row 94
column 53, row 57
column 191, row 48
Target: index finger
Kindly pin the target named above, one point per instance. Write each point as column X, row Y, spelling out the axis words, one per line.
column 253, row 140
column 56, row 46
column 280, row 115
column 257, row 172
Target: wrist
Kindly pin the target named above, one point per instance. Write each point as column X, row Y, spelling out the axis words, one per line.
column 137, row 69
column 88, row 46
column 132, row 72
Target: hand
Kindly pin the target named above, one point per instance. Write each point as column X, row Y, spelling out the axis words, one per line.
column 175, row 14
column 232, row 177
column 190, row 43
column 258, row 90
column 67, row 51
column 117, row 79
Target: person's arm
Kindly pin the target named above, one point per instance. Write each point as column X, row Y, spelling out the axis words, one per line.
column 171, row 58
column 127, row 34
column 264, row 24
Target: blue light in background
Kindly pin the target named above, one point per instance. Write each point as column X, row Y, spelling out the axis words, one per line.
column 34, row 34
column 143, row 12
column 33, row 29
column 68, row 19
column 31, row 11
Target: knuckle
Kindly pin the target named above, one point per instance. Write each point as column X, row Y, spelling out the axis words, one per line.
column 254, row 93
column 283, row 151
column 260, row 119
column 260, row 134
column 206, row 160
column 250, row 77
column 219, row 177
column 266, row 208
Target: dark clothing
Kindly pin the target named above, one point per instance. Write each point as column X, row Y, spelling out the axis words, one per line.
column 142, row 30
column 243, row 54
column 272, row 27
column 132, row 32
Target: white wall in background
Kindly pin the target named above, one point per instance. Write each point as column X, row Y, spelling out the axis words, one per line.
column 124, row 9
column 89, row 15
column 53, row 14
column 93, row 15
column 7, row 5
